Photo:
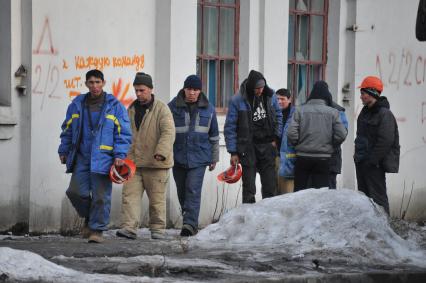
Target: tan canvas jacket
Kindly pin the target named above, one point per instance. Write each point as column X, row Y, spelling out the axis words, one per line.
column 156, row 135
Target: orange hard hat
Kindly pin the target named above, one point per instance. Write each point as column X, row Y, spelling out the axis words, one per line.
column 372, row 82
column 123, row 173
column 231, row 175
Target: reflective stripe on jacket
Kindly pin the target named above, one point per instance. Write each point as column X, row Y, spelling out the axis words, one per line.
column 112, row 140
column 197, row 135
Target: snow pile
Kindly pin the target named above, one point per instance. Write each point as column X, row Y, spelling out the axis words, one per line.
column 27, row 266
column 343, row 222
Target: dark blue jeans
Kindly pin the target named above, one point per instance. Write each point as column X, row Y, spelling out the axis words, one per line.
column 189, row 182
column 90, row 194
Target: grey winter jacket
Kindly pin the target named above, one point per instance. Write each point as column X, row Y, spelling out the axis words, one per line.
column 316, row 129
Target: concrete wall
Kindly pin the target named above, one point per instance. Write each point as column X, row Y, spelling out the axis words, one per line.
column 385, row 46
column 339, row 75
column 14, row 117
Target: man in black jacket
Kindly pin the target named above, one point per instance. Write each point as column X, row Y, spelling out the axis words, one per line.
column 376, row 143
column 252, row 129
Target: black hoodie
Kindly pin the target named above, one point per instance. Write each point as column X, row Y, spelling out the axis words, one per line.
column 263, row 130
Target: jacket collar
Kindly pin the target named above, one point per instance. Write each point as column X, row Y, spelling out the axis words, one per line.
column 150, row 106
column 202, row 102
column 316, row 102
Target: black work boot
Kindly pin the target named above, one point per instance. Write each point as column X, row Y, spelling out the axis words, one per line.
column 188, row 230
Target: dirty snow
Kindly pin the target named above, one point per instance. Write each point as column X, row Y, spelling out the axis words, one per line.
column 27, row 266
column 342, row 221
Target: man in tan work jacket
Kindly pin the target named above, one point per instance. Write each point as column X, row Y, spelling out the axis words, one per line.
column 153, row 131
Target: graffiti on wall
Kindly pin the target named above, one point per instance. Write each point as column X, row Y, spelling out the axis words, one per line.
column 403, row 69
column 46, row 75
column 54, row 73
column 119, row 88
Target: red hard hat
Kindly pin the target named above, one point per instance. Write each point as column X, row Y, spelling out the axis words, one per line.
column 231, row 175
column 123, row 173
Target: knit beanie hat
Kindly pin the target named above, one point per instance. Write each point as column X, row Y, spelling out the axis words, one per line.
column 320, row 91
column 193, row 81
column 143, row 79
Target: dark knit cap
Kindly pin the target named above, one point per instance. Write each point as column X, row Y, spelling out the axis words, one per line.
column 143, row 79
column 320, row 91
column 372, row 92
column 283, row 92
column 193, row 81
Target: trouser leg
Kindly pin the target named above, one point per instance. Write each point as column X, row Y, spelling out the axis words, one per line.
column 373, row 184
column 131, row 202
column 319, row 172
column 194, row 183
column 78, row 191
column 302, row 168
column 179, row 175
column 155, row 181
column 100, row 207
column 265, row 163
column 332, row 183
column 249, row 184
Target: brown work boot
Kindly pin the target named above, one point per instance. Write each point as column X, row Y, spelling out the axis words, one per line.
column 96, row 237
column 85, row 231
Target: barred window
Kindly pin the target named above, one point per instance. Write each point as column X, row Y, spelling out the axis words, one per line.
column 217, row 49
column 307, row 46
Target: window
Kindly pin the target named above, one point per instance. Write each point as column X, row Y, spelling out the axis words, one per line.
column 307, row 48
column 217, row 49
column 5, row 54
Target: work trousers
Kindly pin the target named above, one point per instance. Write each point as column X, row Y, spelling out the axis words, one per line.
column 154, row 182
column 90, row 194
column 311, row 169
column 372, row 182
column 189, row 182
column 259, row 158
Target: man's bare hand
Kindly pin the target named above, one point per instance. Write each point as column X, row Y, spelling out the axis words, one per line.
column 118, row 162
column 159, row 157
column 212, row 166
column 63, row 159
column 235, row 160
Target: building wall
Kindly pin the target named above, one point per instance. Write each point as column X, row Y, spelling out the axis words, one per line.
column 14, row 120
column 385, row 46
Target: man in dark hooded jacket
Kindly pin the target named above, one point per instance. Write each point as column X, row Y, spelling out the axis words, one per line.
column 315, row 130
column 252, row 130
column 376, row 143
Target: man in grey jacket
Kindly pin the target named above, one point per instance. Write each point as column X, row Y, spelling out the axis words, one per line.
column 315, row 130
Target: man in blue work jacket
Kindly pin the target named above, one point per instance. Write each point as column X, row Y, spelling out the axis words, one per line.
column 95, row 134
column 196, row 147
